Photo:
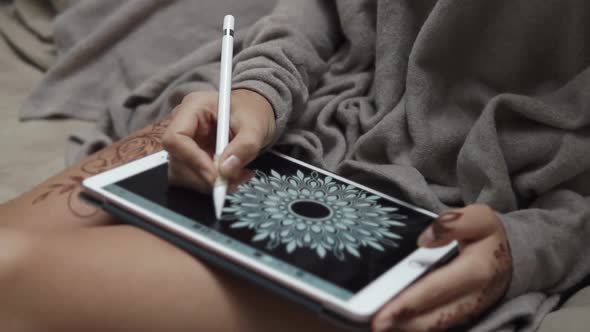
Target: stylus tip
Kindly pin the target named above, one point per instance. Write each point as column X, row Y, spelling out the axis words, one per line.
column 219, row 199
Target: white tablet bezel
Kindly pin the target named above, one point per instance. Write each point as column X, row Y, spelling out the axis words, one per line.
column 359, row 308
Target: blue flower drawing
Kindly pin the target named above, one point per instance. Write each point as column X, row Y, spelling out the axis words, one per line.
column 313, row 212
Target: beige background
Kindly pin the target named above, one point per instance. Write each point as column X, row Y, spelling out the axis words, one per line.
column 30, row 151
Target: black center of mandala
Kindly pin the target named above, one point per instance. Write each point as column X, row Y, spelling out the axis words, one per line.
column 310, row 209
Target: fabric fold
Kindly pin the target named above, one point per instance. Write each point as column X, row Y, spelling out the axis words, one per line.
column 444, row 103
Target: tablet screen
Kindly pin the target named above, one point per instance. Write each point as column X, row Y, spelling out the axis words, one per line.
column 321, row 230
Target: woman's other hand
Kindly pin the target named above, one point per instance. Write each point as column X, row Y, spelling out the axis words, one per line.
column 191, row 135
column 462, row 289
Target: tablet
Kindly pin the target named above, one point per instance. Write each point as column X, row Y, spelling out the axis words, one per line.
column 336, row 243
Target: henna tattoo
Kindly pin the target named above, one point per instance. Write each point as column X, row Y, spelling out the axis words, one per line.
column 502, row 271
column 404, row 314
column 462, row 312
column 71, row 188
column 490, row 293
column 124, row 151
column 127, row 150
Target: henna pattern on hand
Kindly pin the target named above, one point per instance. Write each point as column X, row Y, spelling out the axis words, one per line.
column 405, row 313
column 462, row 312
column 492, row 291
column 124, row 151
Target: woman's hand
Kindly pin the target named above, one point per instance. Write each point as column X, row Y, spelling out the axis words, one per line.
column 462, row 289
column 190, row 138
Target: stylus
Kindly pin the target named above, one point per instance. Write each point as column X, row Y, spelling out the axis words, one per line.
column 225, row 73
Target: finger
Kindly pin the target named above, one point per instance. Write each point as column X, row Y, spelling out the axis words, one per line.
column 451, row 314
column 240, row 151
column 195, row 115
column 461, row 276
column 186, row 151
column 180, row 175
column 464, row 225
column 245, row 176
column 181, row 145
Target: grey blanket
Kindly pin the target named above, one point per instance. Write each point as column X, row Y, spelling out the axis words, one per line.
column 445, row 103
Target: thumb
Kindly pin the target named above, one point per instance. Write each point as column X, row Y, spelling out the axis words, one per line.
column 242, row 149
column 464, row 225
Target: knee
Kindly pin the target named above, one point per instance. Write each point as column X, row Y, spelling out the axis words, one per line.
column 14, row 249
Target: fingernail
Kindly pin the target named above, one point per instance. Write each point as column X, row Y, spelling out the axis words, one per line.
column 448, row 217
column 230, row 165
column 426, row 238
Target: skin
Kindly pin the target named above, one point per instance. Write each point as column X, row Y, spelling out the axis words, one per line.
column 65, row 265
column 461, row 290
column 190, row 139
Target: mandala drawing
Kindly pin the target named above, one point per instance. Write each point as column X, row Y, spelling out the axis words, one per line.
column 312, row 212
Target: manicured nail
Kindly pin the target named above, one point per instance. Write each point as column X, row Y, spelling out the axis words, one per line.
column 448, row 217
column 426, row 238
column 230, row 165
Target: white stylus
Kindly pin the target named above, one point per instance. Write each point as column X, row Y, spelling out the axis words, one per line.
column 227, row 49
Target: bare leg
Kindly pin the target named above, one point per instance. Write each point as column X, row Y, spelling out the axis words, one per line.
column 54, row 204
column 60, row 271
column 119, row 277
